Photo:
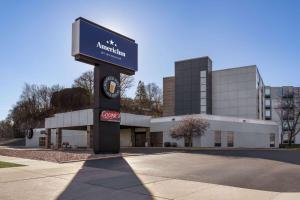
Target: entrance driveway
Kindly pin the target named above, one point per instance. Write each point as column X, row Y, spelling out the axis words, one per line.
column 272, row 170
column 162, row 174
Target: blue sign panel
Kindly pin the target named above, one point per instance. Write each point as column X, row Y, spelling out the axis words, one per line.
column 92, row 41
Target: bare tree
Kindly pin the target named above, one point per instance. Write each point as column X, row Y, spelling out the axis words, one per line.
column 6, row 129
column 188, row 128
column 86, row 81
column 33, row 106
column 288, row 110
column 154, row 99
column 154, row 95
column 126, row 84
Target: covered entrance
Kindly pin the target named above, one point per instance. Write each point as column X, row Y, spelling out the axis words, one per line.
column 134, row 129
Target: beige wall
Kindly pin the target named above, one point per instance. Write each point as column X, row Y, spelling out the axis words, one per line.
column 169, row 96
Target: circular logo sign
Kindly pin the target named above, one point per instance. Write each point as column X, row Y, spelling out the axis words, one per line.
column 111, row 87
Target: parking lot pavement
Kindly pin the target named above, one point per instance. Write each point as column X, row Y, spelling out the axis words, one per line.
column 272, row 170
column 153, row 176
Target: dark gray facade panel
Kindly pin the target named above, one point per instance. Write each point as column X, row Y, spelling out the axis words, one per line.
column 187, row 85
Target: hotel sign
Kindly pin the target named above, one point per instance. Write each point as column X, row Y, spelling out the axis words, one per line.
column 92, row 43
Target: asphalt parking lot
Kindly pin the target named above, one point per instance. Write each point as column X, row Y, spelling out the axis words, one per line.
column 270, row 170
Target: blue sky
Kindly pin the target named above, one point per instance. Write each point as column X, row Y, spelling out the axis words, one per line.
column 36, row 38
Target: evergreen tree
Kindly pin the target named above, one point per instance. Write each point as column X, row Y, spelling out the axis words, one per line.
column 141, row 95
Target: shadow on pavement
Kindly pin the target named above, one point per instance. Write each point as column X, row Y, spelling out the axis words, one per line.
column 105, row 179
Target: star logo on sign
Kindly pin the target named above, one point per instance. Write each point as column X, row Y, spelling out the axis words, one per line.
column 111, row 42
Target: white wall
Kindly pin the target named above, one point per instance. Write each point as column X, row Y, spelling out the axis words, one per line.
column 76, row 138
column 246, row 134
column 34, row 141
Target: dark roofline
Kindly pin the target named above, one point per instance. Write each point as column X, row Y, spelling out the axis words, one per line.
column 194, row 59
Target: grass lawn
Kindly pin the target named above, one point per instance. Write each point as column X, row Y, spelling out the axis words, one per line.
column 7, row 164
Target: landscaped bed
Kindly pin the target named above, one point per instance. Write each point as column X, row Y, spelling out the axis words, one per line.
column 53, row 155
column 7, row 164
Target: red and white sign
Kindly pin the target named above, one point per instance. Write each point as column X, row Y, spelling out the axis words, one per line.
column 110, row 116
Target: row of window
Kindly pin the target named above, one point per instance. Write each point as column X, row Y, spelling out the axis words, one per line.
column 230, row 139
column 283, row 91
column 218, row 140
column 203, row 91
column 267, row 103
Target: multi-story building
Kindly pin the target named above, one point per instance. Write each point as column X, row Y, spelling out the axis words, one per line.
column 233, row 101
column 235, row 92
column 275, row 98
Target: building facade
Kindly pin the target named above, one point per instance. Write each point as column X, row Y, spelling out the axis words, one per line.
column 74, row 130
column 240, row 109
column 234, row 92
column 193, row 88
column 274, row 98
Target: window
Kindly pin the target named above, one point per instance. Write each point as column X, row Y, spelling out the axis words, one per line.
column 268, row 102
column 203, row 102
column 203, row 81
column 42, row 141
column 203, row 95
column 230, row 139
column 268, row 113
column 203, row 74
column 218, row 139
column 203, row 109
column 286, row 138
column 267, row 91
column 203, row 88
column 188, row 143
column 272, row 139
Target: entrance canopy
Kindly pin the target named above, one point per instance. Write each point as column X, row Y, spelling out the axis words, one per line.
column 85, row 118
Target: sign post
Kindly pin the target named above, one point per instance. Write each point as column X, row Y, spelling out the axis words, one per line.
column 111, row 54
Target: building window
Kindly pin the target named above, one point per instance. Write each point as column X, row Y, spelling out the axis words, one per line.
column 203, row 81
column 203, row 102
column 203, row 74
column 268, row 102
column 286, row 138
column 230, row 139
column 268, row 113
column 187, row 142
column 203, row 88
column 218, row 139
column 272, row 140
column 267, row 91
column 203, row 95
column 203, row 109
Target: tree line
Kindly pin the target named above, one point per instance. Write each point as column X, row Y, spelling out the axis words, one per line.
column 38, row 102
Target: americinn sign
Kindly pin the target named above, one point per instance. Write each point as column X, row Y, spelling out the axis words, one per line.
column 111, row 54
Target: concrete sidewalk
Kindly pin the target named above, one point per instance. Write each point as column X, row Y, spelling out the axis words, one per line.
column 47, row 180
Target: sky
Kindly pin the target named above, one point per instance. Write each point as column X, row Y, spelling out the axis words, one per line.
column 35, row 38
